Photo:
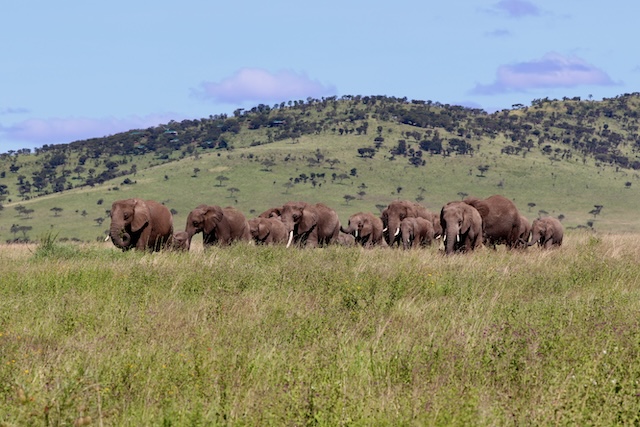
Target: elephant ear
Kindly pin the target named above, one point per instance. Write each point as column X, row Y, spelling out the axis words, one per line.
column 367, row 226
column 308, row 221
column 263, row 230
column 141, row 215
column 481, row 206
column 212, row 217
column 468, row 218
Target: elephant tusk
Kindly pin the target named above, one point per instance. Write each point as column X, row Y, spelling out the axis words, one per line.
column 384, row 230
column 458, row 238
column 106, row 239
column 397, row 232
column 290, row 238
column 356, row 236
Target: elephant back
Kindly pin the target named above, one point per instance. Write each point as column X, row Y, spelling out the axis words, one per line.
column 500, row 219
column 328, row 223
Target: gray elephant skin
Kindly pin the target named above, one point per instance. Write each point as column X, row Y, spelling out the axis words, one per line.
column 462, row 227
column 180, row 241
column 546, row 232
column 398, row 210
column 500, row 220
column 416, row 232
column 310, row 225
column 218, row 225
column 524, row 231
column 366, row 228
column 268, row 231
column 140, row 224
column 271, row 213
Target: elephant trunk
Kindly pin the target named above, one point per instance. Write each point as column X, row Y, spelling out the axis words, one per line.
column 348, row 230
column 393, row 229
column 406, row 240
column 451, row 238
column 119, row 236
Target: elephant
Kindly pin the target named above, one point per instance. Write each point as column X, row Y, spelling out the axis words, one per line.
column 416, row 231
column 346, row 239
column 462, row 227
column 140, row 224
column 271, row 213
column 366, row 228
column 180, row 241
column 268, row 231
column 218, row 225
column 310, row 225
column 500, row 220
column 398, row 210
column 546, row 232
column 524, row 231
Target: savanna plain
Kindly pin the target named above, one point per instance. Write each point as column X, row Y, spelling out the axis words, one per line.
column 251, row 335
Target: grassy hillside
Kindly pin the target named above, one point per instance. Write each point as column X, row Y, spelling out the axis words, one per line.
column 556, row 157
column 251, row 335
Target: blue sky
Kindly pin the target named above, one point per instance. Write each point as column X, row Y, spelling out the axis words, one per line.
column 76, row 69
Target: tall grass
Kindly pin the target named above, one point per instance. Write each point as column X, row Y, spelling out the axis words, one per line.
column 251, row 335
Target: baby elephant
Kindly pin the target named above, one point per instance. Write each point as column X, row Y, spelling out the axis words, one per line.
column 268, row 231
column 416, row 231
column 546, row 232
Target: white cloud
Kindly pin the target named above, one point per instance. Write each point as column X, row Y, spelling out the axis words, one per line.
column 551, row 71
column 258, row 85
column 64, row 130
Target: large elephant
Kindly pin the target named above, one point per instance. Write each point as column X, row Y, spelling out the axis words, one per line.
column 462, row 227
column 310, row 225
column 546, row 232
column 218, row 225
column 268, row 231
column 524, row 231
column 140, row 224
column 398, row 210
column 500, row 220
column 366, row 228
column 416, row 232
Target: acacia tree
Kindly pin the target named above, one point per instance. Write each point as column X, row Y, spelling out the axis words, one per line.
column 268, row 165
column 596, row 210
column 221, row 179
column 332, row 162
column 483, row 169
column 288, row 185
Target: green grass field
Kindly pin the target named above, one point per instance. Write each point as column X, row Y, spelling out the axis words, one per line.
column 569, row 187
column 250, row 335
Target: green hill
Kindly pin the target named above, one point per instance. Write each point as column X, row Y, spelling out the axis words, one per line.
column 571, row 158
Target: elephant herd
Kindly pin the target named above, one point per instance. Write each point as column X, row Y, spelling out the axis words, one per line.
column 463, row 226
